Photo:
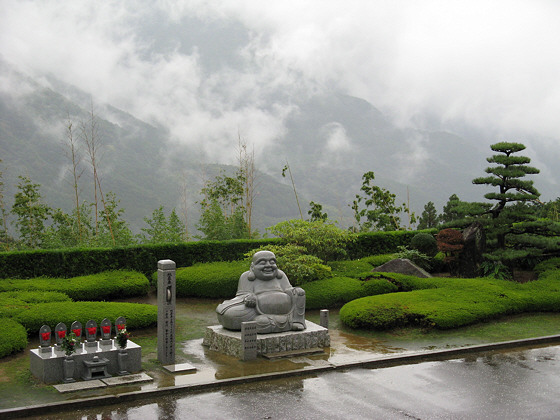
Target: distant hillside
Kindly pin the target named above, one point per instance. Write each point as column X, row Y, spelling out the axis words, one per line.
column 330, row 142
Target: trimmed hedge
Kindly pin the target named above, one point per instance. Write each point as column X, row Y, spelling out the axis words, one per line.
column 11, row 303
column 14, row 337
column 103, row 286
column 67, row 263
column 138, row 315
column 76, row 262
column 452, row 303
column 210, row 280
column 336, row 291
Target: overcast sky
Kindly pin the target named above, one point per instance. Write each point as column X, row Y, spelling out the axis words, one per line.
column 207, row 69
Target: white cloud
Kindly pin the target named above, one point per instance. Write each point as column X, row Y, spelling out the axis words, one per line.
column 493, row 64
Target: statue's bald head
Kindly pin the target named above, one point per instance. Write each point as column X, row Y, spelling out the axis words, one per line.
column 264, row 265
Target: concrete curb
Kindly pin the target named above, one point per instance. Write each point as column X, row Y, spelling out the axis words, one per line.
column 374, row 363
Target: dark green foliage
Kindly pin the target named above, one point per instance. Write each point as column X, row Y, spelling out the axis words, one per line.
column 210, row 280
column 415, row 256
column 108, row 285
column 429, row 218
column 162, row 229
column 376, row 243
column 316, row 212
column 76, row 262
column 11, row 303
column 14, row 337
column 550, row 264
column 137, row 315
column 453, row 302
column 424, row 243
column 336, row 291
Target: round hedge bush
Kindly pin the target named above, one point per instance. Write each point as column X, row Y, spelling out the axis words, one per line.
column 14, row 337
column 11, row 303
column 138, row 315
column 424, row 243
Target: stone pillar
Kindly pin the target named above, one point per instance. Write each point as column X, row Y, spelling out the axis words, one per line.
column 248, row 340
column 166, row 312
column 324, row 318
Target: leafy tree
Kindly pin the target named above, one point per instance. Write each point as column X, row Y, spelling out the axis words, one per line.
column 380, row 211
column 429, row 218
column 113, row 229
column 223, row 213
column 31, row 213
column 323, row 239
column 162, row 229
column 450, row 212
column 316, row 212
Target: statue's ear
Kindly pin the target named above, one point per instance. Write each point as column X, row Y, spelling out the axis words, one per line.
column 279, row 274
column 251, row 276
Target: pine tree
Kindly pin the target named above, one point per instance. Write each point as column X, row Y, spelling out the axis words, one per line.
column 429, row 217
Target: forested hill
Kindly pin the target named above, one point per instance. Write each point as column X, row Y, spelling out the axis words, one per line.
column 329, row 142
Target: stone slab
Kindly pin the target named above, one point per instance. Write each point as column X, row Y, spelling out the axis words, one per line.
column 127, row 379
column 181, row 367
column 79, row 386
column 219, row 339
column 49, row 367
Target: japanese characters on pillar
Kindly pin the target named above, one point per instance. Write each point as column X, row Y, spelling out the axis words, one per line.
column 166, row 311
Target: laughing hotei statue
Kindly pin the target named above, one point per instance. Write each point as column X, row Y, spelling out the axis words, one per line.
column 264, row 295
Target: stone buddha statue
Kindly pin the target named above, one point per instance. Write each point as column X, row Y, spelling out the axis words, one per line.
column 264, row 295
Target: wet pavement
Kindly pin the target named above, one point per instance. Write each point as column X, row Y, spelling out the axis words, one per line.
column 521, row 384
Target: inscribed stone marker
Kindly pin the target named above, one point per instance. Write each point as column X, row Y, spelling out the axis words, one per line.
column 166, row 311
column 248, row 340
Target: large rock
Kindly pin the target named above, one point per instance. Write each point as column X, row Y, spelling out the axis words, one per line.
column 402, row 266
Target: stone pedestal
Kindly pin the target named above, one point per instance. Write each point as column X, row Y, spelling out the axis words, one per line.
column 49, row 367
column 219, row 339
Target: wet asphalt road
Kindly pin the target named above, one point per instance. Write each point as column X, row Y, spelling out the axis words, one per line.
column 496, row 385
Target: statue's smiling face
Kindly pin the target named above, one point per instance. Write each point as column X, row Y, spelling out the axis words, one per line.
column 264, row 265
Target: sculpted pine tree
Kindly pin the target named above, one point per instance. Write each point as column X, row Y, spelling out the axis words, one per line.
column 512, row 188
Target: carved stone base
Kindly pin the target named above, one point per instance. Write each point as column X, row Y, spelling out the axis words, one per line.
column 219, row 339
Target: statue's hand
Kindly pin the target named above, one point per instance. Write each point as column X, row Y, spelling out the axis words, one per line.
column 250, row 300
column 299, row 291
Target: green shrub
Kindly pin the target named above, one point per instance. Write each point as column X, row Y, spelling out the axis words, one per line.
column 336, row 291
column 12, row 303
column 547, row 265
column 14, row 337
column 210, row 280
column 350, row 268
column 103, row 286
column 377, row 260
column 321, row 239
column 137, row 315
column 421, row 260
column 452, row 303
column 293, row 260
column 424, row 243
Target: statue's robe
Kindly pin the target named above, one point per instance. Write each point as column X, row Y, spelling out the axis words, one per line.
column 279, row 306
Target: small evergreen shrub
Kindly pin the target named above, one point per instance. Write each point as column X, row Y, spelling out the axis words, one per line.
column 137, row 315
column 424, row 243
column 103, row 286
column 421, row 260
column 14, row 337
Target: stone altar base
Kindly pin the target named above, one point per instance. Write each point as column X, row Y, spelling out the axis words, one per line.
column 219, row 339
column 49, row 366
